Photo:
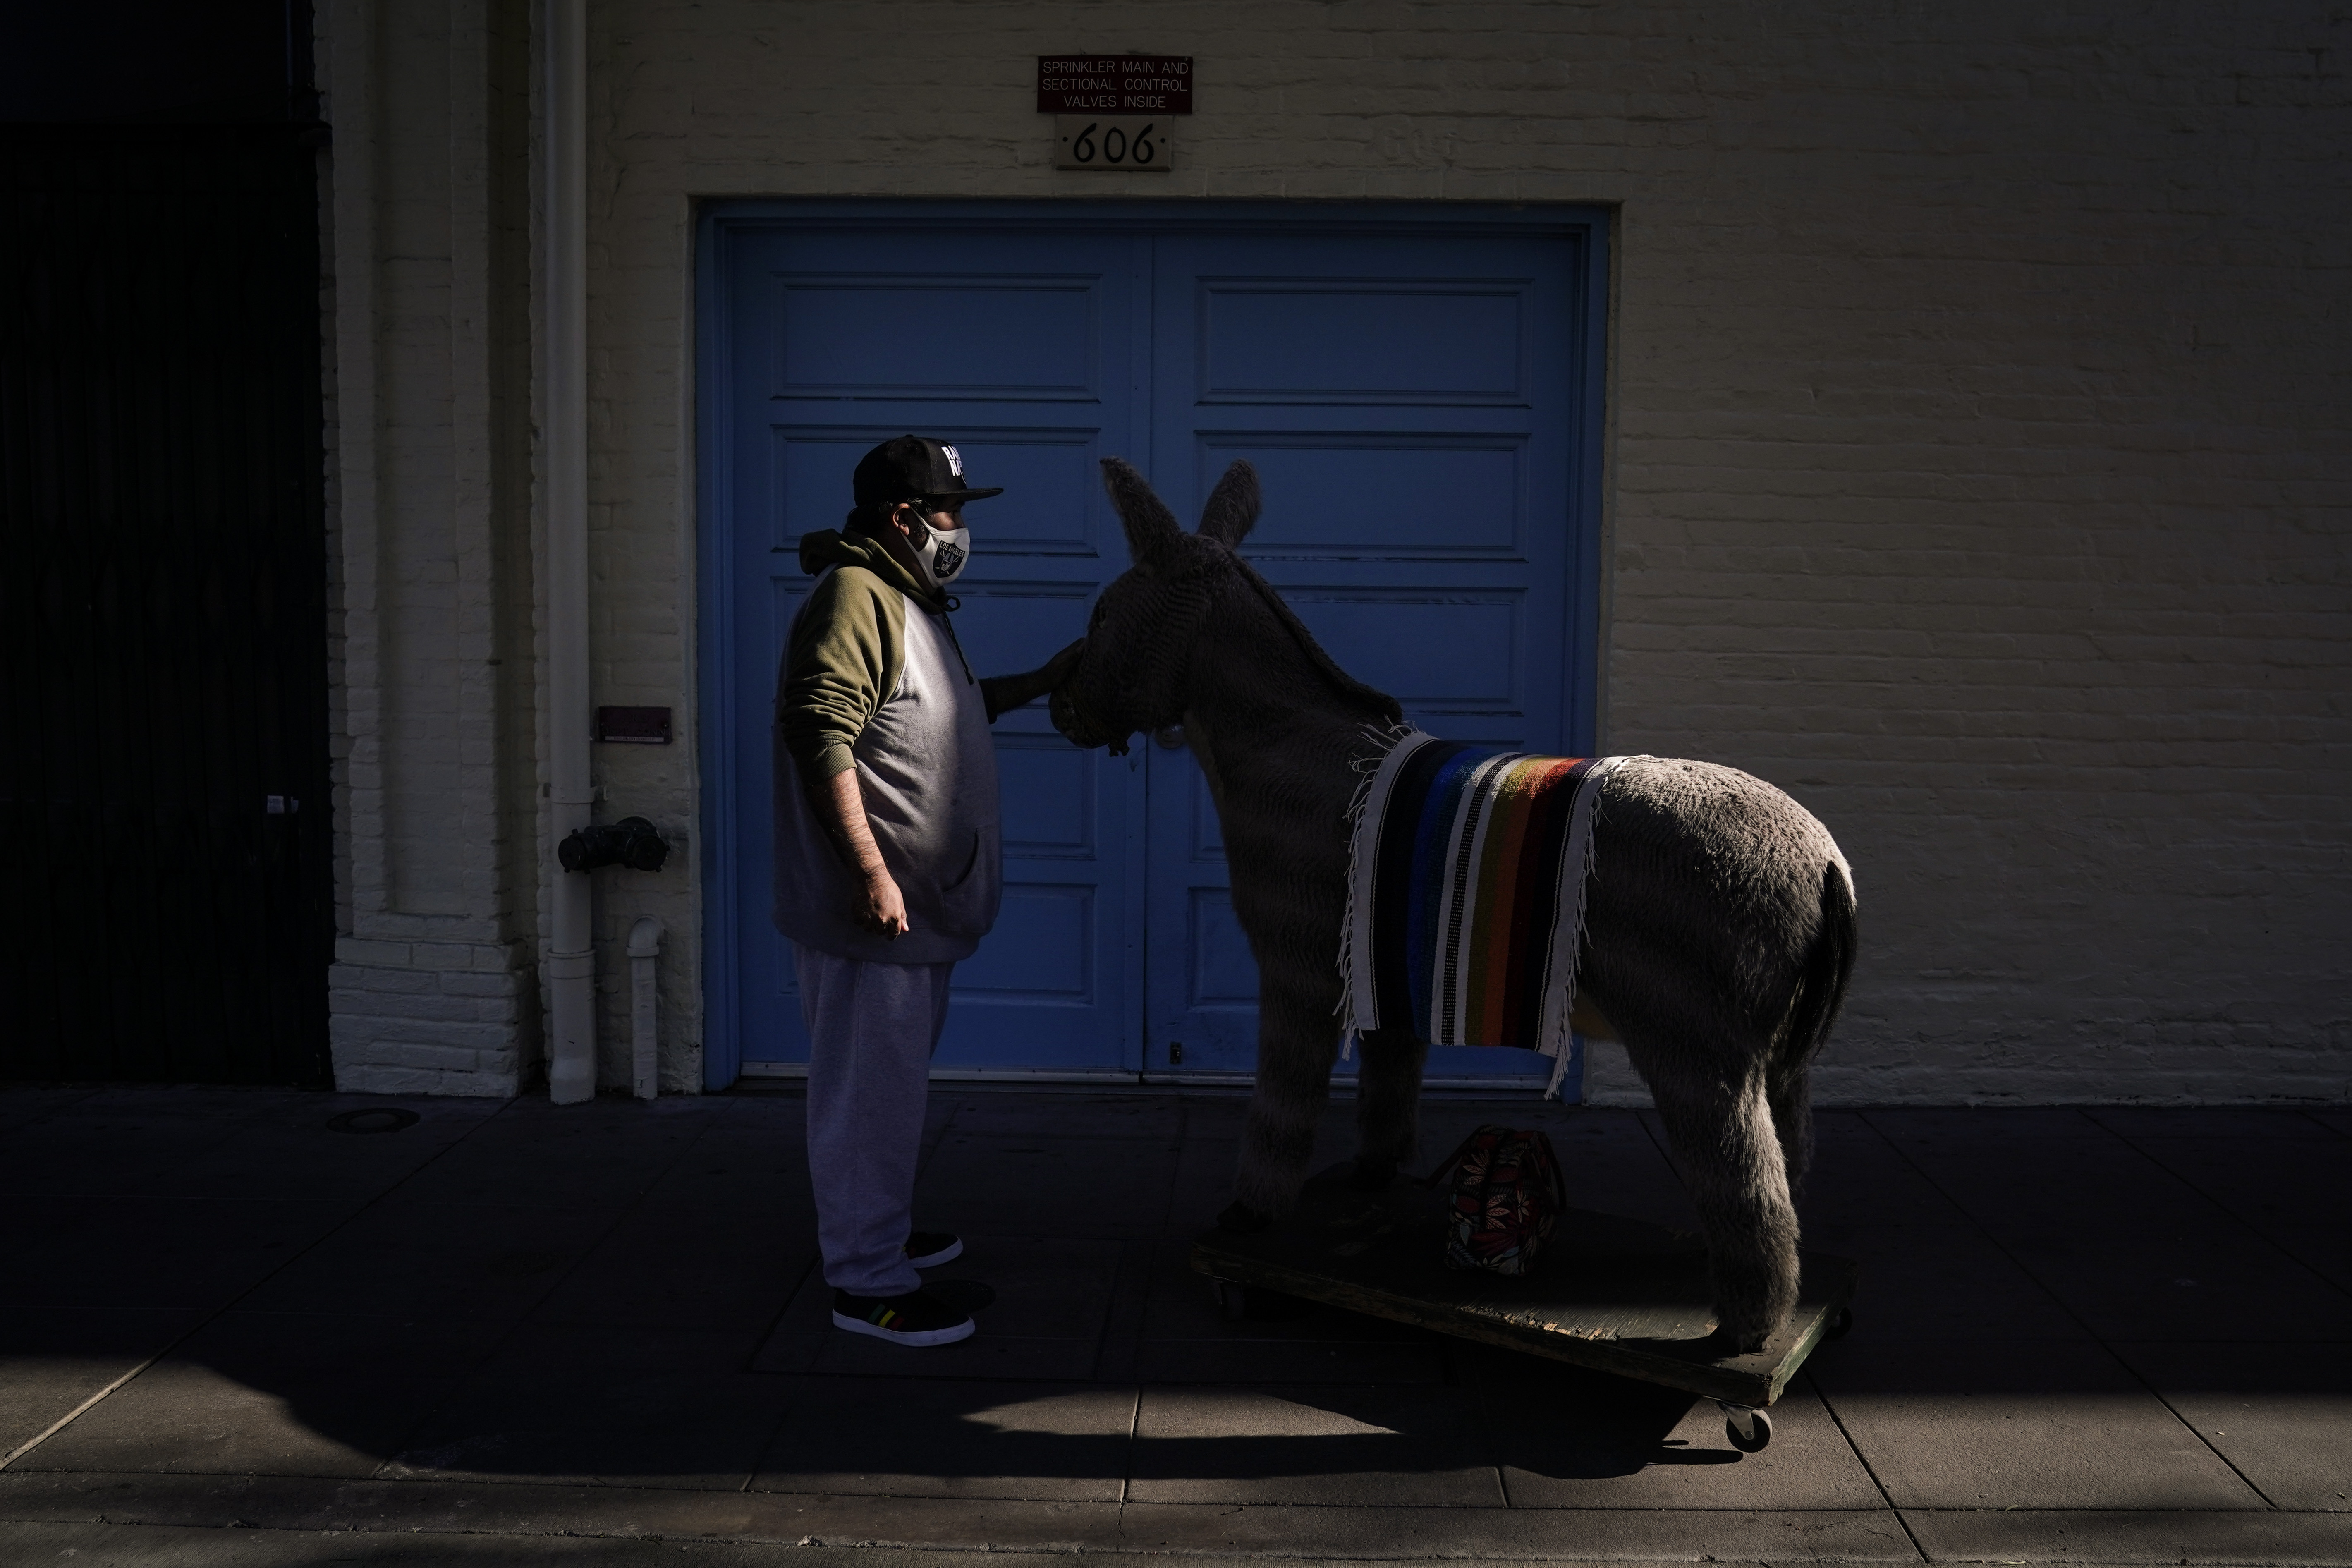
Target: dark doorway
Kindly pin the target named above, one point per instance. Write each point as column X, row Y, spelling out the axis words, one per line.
column 164, row 781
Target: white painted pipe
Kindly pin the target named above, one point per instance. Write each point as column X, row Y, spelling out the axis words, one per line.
column 570, row 955
column 645, row 955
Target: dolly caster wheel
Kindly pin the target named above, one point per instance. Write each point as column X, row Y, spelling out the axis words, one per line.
column 1841, row 1324
column 1749, row 1429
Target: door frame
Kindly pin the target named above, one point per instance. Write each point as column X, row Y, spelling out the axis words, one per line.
column 718, row 747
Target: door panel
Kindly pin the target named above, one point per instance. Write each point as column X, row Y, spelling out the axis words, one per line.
column 1406, row 403
column 1020, row 350
column 1396, row 482
column 1345, row 338
column 978, row 337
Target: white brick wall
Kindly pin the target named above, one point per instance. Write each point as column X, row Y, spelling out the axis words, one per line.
column 436, row 776
column 1975, row 464
column 426, row 1017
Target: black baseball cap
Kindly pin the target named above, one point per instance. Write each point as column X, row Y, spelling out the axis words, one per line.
column 914, row 467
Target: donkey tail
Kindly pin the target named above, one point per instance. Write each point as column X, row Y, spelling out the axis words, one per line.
column 1821, row 988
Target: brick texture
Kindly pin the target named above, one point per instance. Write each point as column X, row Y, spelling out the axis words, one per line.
column 427, row 1017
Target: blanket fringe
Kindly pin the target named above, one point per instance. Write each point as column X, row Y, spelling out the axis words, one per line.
column 1385, row 739
column 1560, row 1069
column 1568, row 931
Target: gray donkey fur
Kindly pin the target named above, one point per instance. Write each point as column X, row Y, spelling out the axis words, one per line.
column 1720, row 917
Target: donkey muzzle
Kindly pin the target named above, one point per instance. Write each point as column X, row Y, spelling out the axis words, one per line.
column 1080, row 729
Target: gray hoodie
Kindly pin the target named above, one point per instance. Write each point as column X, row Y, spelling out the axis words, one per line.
column 873, row 679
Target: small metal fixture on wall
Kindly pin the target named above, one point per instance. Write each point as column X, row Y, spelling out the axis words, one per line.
column 633, row 842
column 633, row 726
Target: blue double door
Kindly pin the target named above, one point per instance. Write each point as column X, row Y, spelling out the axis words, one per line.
column 1417, row 397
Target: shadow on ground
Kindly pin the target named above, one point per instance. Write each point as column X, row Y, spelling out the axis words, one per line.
column 2059, row 1310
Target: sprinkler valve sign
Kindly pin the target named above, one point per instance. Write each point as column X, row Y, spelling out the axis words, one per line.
column 1115, row 84
column 1112, row 112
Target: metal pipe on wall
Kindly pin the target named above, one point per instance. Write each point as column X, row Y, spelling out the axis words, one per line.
column 645, row 1002
column 570, row 955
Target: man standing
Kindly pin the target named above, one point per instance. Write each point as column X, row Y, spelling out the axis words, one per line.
column 888, row 867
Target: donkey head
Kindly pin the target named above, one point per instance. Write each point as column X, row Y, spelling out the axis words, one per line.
column 1139, row 647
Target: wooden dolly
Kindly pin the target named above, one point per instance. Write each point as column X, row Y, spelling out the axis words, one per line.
column 1617, row 1295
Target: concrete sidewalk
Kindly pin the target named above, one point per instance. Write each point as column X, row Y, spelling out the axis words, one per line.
column 513, row 1334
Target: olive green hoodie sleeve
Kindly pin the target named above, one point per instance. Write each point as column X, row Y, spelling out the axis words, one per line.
column 847, row 653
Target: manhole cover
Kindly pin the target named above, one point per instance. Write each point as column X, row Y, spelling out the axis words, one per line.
column 375, row 1119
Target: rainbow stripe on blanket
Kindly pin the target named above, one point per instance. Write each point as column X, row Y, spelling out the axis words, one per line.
column 1465, row 896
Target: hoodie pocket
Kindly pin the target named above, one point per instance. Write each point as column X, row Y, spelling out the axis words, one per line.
column 971, row 861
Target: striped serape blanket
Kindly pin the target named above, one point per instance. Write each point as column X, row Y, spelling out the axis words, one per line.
column 1465, row 895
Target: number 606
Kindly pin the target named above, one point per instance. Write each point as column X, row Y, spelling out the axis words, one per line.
column 1126, row 146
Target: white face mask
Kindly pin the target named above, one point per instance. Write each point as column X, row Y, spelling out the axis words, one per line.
column 943, row 553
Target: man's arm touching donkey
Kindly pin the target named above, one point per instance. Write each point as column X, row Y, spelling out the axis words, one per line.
column 1003, row 693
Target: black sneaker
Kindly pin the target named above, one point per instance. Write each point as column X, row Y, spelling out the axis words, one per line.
column 913, row 1318
column 928, row 1247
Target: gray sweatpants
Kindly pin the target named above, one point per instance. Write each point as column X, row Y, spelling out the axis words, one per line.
column 872, row 1028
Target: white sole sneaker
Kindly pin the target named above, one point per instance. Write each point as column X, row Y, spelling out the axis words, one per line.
column 947, row 1254
column 912, row 1337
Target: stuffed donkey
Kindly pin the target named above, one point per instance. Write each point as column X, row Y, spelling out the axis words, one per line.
column 1719, row 915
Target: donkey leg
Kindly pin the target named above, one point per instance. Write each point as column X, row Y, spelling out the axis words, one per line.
column 1297, row 1041
column 1388, row 1106
column 1731, row 1159
column 1790, row 1099
column 1821, row 986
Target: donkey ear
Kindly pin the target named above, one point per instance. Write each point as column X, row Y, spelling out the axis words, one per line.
column 1152, row 528
column 1232, row 506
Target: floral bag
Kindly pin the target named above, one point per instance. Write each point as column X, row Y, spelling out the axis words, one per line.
column 1507, row 1195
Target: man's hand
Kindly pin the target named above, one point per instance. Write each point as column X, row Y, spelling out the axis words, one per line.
column 880, row 908
column 1003, row 693
column 1057, row 668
